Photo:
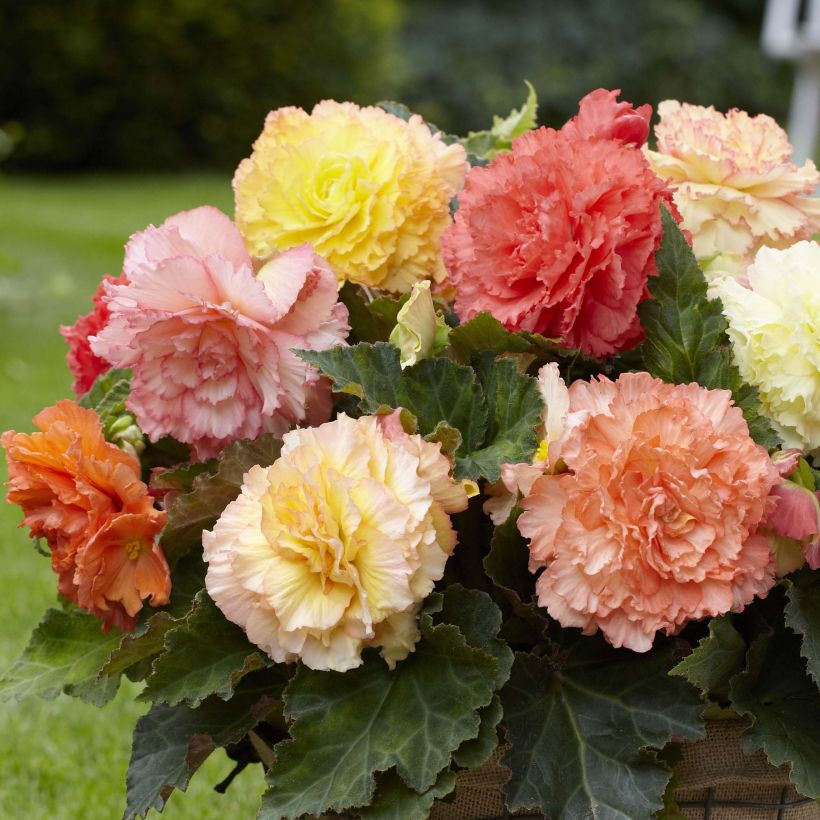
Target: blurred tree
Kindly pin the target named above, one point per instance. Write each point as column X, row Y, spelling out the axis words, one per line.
column 170, row 83
column 464, row 60
column 176, row 83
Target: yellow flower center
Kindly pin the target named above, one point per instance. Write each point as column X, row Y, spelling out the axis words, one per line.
column 134, row 548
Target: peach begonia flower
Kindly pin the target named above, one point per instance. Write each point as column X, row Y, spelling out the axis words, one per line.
column 84, row 498
column 655, row 522
column 735, row 184
column 370, row 191
column 333, row 547
column 210, row 343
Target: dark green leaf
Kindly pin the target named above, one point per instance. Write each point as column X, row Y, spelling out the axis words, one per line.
column 145, row 642
column 439, row 390
column 715, row 660
column 370, row 372
column 515, row 408
column 205, row 654
column 191, row 513
column 369, row 321
column 171, row 742
column 578, row 730
column 412, row 718
column 396, row 801
column 398, row 109
column 481, row 333
column 803, row 615
column 187, row 579
column 777, row 693
column 507, row 562
column 65, row 654
column 474, row 753
column 479, row 621
column 685, row 338
column 181, row 478
column 448, row 437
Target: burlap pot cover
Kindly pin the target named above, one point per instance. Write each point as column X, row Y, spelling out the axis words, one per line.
column 714, row 769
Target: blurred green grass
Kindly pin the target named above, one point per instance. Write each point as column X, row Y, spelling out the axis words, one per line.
column 64, row 759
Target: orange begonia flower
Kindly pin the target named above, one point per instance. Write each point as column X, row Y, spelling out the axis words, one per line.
column 84, row 497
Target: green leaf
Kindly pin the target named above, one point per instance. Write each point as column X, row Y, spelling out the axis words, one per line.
column 776, row 692
column 474, row 753
column 181, row 478
column 478, row 620
column 369, row 321
column 439, row 390
column 412, row 718
column 685, row 332
column 145, row 642
column 204, row 655
column 715, row 660
column 481, row 333
column 108, row 394
column 370, row 372
column 191, row 513
column 65, row 653
column 448, row 437
column 434, row 390
column 496, row 416
column 171, row 742
column 507, row 562
column 396, row 801
column 803, row 615
column 578, row 730
column 505, row 129
column 515, row 408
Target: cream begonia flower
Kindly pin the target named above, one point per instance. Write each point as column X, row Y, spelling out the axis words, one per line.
column 370, row 191
column 419, row 332
column 332, row 548
column 773, row 325
column 735, row 185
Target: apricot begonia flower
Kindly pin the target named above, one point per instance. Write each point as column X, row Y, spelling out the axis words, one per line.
column 656, row 520
column 84, row 497
column 559, row 235
column 333, row 547
column 370, row 191
column 209, row 343
column 735, row 185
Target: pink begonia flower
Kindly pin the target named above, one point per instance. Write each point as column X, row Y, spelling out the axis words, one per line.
column 210, row 344
column 656, row 520
column 795, row 520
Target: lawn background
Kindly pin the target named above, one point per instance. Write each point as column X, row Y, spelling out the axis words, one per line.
column 58, row 236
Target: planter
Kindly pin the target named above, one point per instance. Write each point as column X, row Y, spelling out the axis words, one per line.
column 714, row 776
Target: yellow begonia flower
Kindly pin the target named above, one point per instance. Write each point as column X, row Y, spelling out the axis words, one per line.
column 370, row 191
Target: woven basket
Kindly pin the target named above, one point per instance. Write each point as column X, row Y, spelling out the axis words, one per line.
column 714, row 771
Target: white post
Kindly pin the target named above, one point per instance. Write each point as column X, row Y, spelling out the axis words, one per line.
column 785, row 37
